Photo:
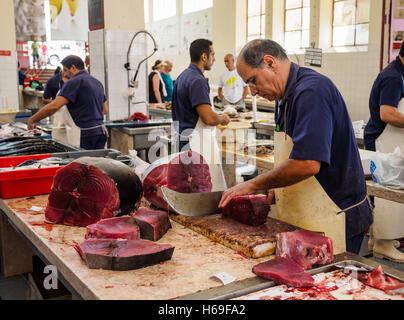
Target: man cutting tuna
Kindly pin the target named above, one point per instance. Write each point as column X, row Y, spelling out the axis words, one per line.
column 86, row 103
column 318, row 177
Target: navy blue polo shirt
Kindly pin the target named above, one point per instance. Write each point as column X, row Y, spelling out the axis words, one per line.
column 191, row 89
column 388, row 89
column 21, row 77
column 318, row 122
column 86, row 99
column 52, row 87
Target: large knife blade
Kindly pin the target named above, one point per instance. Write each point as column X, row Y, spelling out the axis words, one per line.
column 193, row 204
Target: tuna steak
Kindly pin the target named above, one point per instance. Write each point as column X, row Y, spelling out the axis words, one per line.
column 91, row 189
column 123, row 255
column 284, row 271
column 187, row 172
column 305, row 247
column 114, row 228
column 153, row 224
column 251, row 210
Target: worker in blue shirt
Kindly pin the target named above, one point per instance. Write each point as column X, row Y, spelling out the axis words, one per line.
column 318, row 181
column 168, row 81
column 194, row 118
column 384, row 132
column 85, row 100
column 191, row 96
column 52, row 87
column 21, row 75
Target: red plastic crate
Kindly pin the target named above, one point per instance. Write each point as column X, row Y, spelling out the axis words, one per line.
column 25, row 183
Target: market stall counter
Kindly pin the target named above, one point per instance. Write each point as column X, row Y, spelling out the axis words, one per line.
column 195, row 260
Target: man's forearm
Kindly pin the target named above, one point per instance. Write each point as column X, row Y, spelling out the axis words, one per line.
column 287, row 174
column 46, row 111
column 220, row 93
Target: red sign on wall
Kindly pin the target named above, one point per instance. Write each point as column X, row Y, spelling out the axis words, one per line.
column 5, row 53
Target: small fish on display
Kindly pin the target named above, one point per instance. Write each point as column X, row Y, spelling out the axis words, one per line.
column 37, row 164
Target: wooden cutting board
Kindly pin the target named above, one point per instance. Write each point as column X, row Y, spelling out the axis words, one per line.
column 253, row 242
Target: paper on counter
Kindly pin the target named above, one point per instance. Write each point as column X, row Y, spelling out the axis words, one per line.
column 224, row 277
column 36, row 209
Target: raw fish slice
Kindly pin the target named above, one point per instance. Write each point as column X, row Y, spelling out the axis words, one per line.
column 123, row 255
column 284, row 271
column 114, row 228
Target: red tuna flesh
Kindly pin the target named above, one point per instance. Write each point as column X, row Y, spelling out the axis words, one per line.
column 251, row 210
column 284, row 271
column 186, row 173
column 114, row 228
column 378, row 279
column 153, row 224
column 91, row 189
column 189, row 173
column 305, row 247
column 152, row 184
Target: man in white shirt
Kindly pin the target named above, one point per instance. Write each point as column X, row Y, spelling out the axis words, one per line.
column 232, row 89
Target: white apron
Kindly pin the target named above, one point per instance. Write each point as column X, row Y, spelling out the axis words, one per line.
column 203, row 140
column 65, row 129
column 389, row 215
column 306, row 205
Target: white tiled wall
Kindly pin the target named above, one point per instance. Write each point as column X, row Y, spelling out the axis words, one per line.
column 111, row 71
column 353, row 73
column 9, row 82
column 117, row 45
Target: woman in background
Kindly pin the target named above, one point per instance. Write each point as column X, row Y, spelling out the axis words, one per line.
column 156, row 84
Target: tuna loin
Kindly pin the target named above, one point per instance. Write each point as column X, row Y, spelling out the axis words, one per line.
column 251, row 210
column 91, row 189
column 153, row 224
column 123, row 255
column 305, row 247
column 187, row 172
column 284, row 271
column 114, row 228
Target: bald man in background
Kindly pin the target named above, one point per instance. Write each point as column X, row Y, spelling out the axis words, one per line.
column 232, row 89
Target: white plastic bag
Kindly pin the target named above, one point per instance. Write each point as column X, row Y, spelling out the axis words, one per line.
column 387, row 169
column 140, row 165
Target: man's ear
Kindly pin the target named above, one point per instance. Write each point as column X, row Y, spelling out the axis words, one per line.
column 269, row 61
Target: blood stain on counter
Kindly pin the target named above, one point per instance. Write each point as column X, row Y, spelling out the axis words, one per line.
column 46, row 226
column 241, row 254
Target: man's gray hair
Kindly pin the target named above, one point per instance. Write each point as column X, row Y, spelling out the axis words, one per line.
column 253, row 53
